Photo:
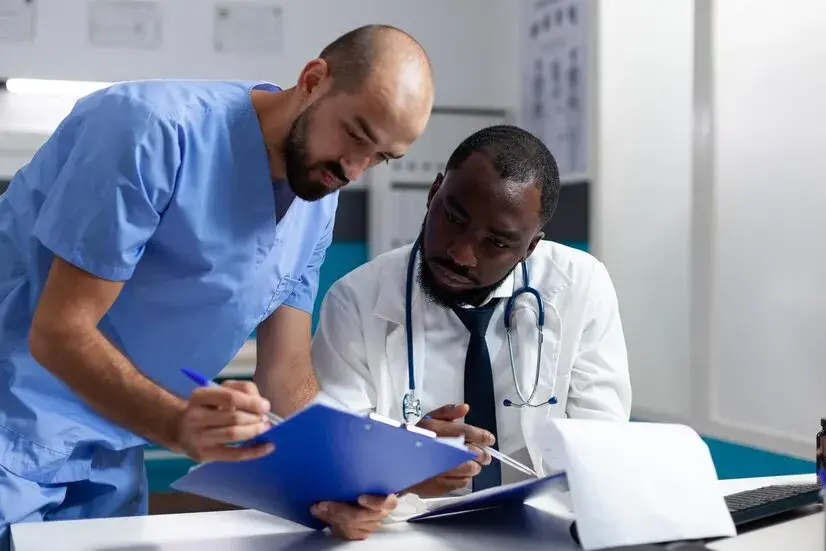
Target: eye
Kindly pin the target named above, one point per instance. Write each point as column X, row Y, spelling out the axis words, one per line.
column 451, row 218
column 358, row 139
column 498, row 244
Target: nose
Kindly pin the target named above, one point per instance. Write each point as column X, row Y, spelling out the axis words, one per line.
column 462, row 253
column 354, row 167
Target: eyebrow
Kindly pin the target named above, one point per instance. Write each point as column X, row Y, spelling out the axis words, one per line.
column 371, row 135
column 454, row 205
column 509, row 235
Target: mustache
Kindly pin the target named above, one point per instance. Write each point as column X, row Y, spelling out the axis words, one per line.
column 336, row 170
column 462, row 271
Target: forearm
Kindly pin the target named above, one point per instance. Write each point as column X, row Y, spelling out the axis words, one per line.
column 284, row 370
column 96, row 370
column 289, row 388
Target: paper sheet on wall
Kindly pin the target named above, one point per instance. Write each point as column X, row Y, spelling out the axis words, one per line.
column 17, row 19
column 125, row 24
column 555, row 79
column 248, row 28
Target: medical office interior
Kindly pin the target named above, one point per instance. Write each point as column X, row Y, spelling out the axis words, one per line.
column 688, row 134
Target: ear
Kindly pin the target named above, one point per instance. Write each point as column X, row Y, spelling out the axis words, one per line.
column 314, row 77
column 534, row 242
column 434, row 187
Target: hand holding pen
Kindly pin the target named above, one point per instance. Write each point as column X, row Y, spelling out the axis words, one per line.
column 218, row 416
column 444, row 421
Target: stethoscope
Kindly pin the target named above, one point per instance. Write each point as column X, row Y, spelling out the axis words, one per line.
column 412, row 406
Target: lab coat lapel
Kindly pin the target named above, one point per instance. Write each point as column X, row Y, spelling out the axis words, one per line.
column 390, row 309
column 524, row 317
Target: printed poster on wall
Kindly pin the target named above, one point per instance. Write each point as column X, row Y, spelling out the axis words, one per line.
column 554, row 79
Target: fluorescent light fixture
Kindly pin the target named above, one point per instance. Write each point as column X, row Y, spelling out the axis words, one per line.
column 41, row 87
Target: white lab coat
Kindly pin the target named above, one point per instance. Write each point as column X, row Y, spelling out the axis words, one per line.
column 360, row 348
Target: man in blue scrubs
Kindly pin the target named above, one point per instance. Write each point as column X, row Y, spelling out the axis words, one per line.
column 159, row 226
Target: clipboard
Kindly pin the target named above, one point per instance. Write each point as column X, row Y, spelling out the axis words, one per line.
column 500, row 496
column 326, row 454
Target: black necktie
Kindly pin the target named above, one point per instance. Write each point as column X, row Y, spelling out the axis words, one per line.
column 479, row 385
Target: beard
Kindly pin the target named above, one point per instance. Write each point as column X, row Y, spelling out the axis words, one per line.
column 297, row 164
column 443, row 296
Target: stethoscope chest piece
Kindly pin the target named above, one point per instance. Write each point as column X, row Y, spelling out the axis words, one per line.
column 411, row 408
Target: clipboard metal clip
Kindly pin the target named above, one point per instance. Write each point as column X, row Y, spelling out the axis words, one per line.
column 407, row 426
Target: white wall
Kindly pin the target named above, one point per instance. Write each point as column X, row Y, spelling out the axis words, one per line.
column 24, row 126
column 766, row 376
column 709, row 197
column 641, row 211
column 473, row 44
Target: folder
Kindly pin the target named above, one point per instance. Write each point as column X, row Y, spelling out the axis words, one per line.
column 500, row 496
column 326, row 454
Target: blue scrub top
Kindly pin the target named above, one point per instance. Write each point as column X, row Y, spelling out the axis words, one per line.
column 165, row 185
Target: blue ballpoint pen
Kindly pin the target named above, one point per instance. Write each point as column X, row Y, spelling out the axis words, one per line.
column 203, row 381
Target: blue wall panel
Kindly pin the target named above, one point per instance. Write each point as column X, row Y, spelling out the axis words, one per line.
column 342, row 258
column 733, row 460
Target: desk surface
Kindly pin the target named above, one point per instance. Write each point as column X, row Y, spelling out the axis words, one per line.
column 520, row 530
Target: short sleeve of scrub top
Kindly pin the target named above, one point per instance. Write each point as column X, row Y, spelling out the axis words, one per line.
column 304, row 294
column 117, row 176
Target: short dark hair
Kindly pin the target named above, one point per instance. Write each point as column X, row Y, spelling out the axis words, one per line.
column 518, row 156
column 351, row 57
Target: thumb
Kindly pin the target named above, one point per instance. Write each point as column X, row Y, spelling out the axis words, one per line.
column 450, row 412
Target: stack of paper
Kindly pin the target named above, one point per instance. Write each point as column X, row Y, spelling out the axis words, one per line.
column 637, row 483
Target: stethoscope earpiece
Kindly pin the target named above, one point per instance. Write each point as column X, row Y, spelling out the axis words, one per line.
column 507, row 403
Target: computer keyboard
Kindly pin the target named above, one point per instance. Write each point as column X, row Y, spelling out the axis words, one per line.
column 768, row 501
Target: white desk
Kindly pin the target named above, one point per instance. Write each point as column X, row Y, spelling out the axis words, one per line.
column 519, row 530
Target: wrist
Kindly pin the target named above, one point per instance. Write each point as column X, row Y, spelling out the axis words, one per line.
column 172, row 430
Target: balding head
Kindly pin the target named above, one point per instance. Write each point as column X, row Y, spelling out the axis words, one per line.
column 356, row 56
column 365, row 99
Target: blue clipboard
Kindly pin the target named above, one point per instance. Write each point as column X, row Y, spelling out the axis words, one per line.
column 510, row 494
column 325, row 454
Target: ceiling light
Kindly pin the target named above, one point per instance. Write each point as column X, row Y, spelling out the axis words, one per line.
column 70, row 88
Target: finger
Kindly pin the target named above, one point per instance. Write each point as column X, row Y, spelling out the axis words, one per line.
column 383, row 504
column 465, row 470
column 450, row 412
column 205, row 417
column 355, row 533
column 229, row 398
column 351, row 535
column 475, row 435
column 344, row 515
column 482, row 457
column 223, row 453
column 247, row 387
column 228, row 435
column 443, row 428
column 443, row 485
column 472, row 434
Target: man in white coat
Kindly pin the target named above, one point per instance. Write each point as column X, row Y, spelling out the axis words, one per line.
column 482, row 232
